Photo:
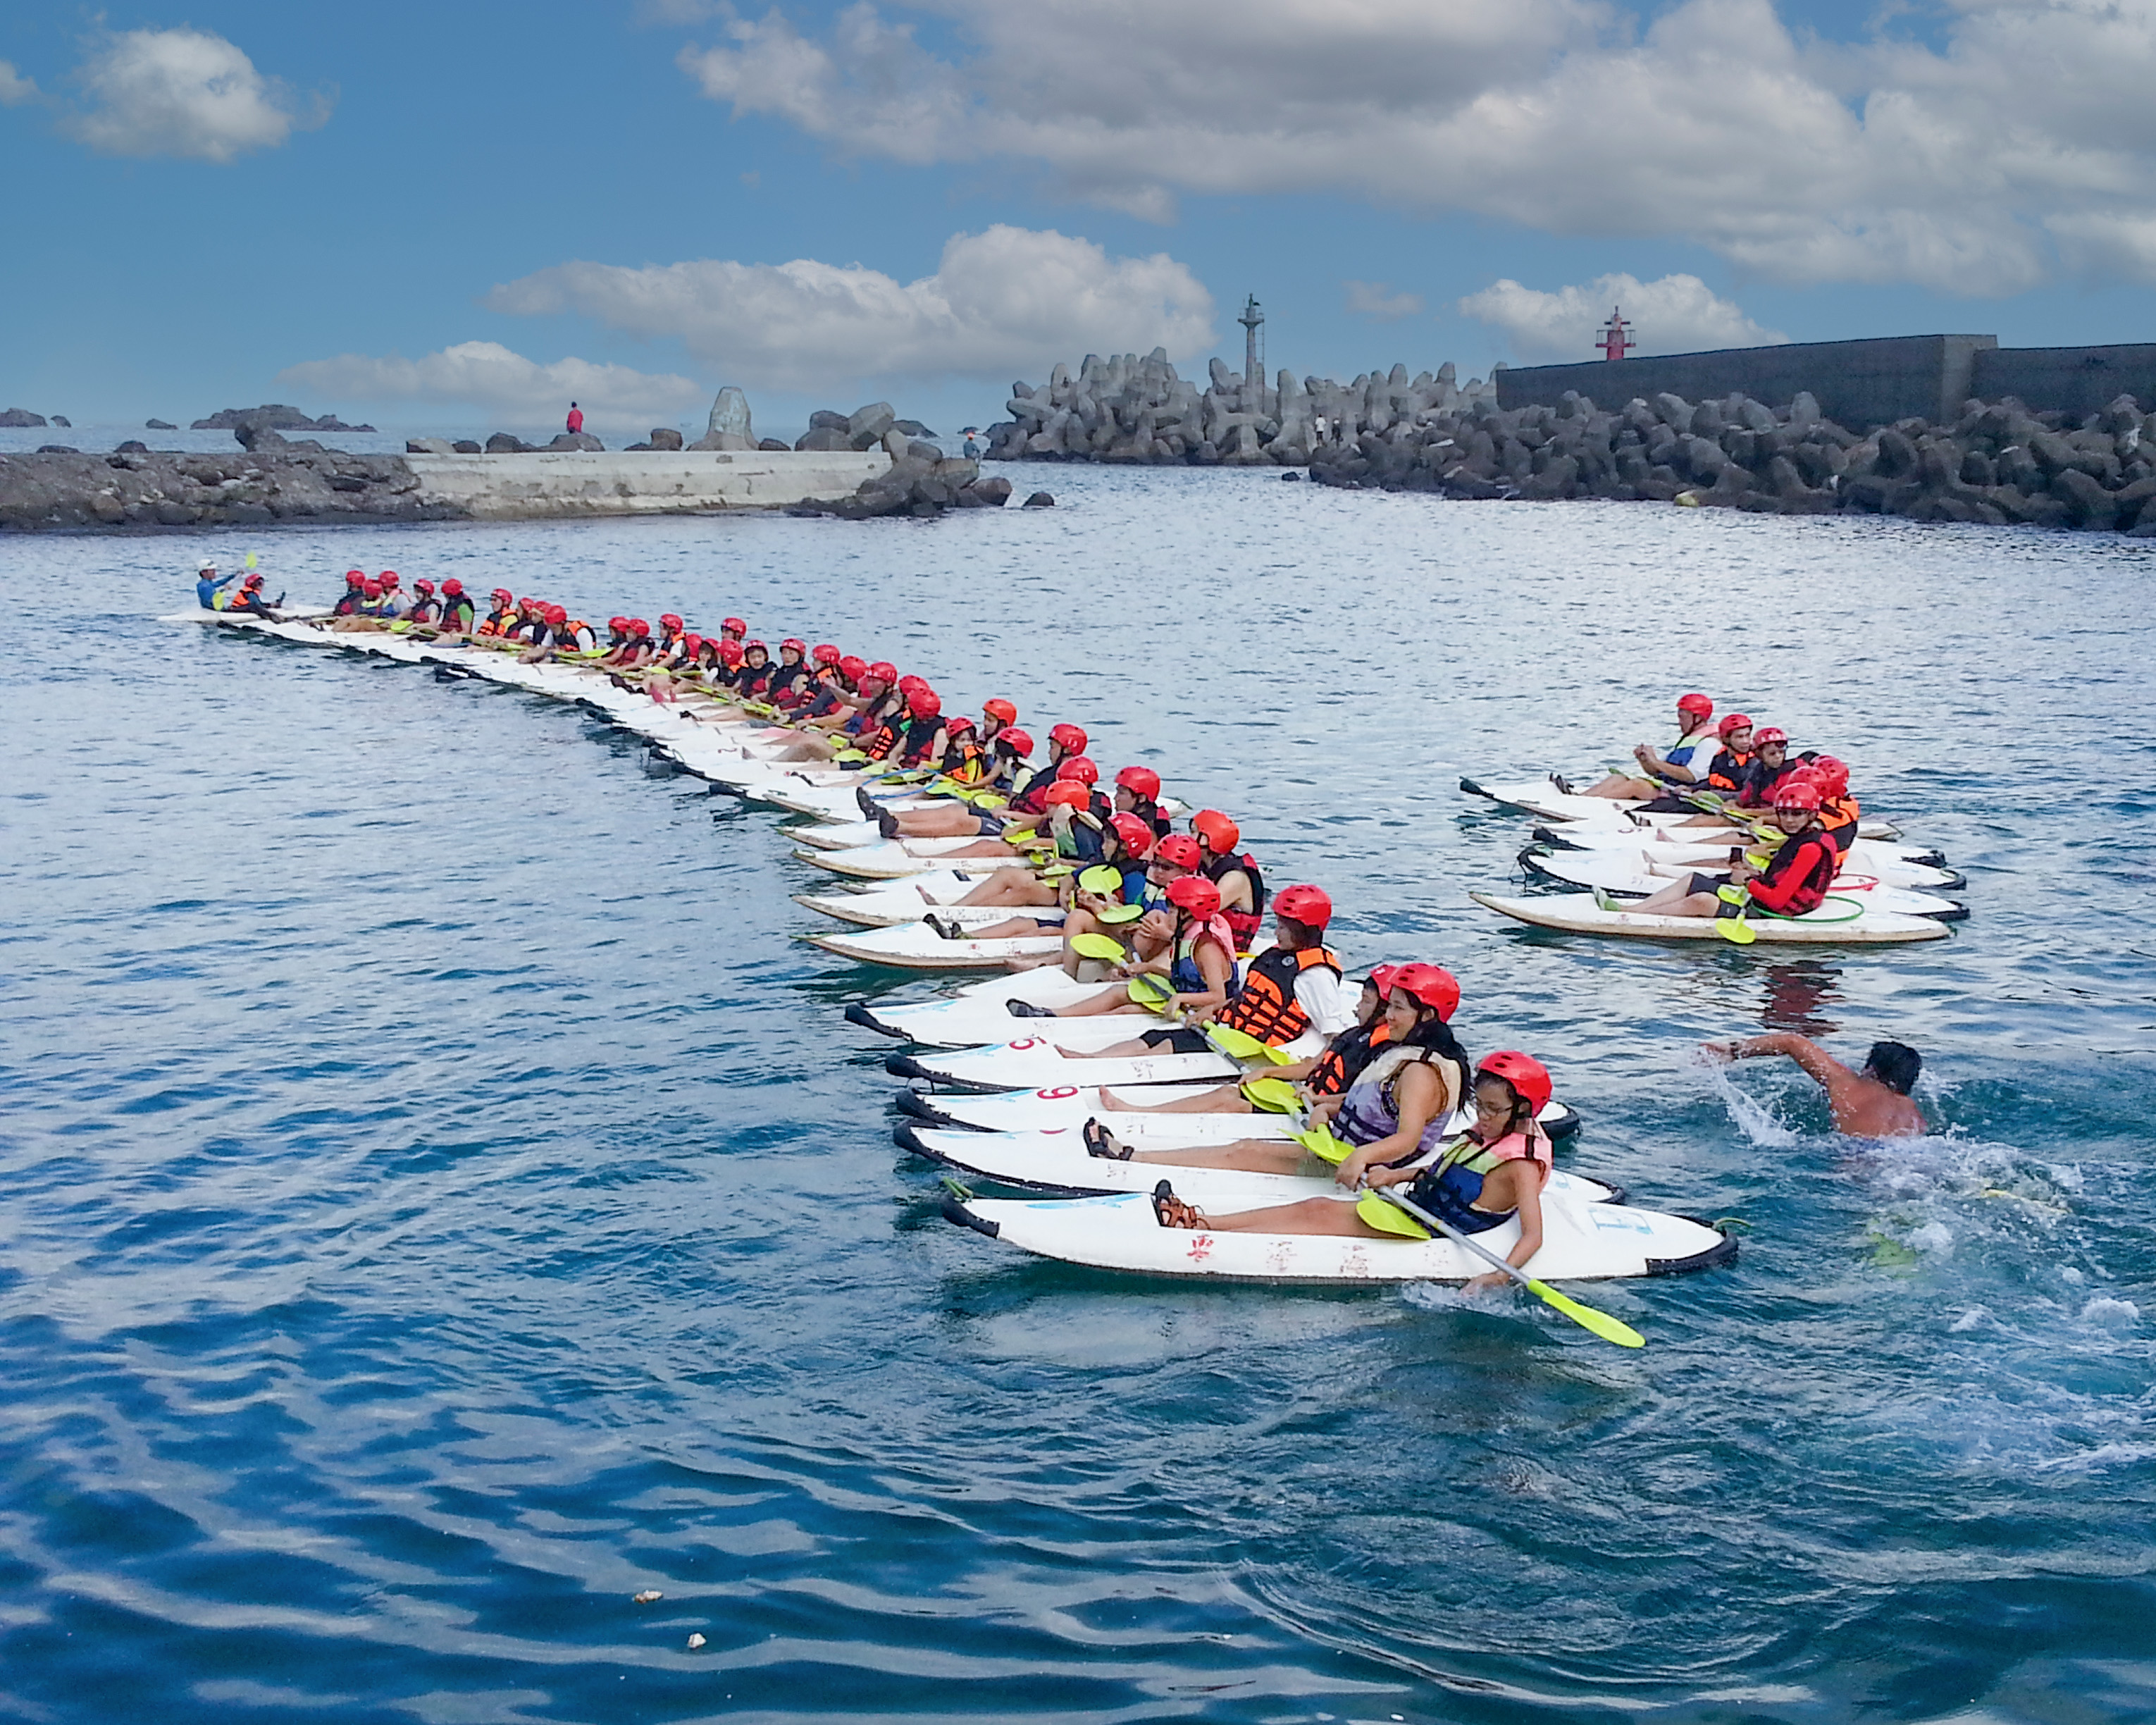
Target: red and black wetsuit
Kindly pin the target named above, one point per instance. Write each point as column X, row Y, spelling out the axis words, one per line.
column 1796, row 878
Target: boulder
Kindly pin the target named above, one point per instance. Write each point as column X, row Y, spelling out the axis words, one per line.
column 993, row 493
column 1039, row 499
column 428, row 446
column 62, row 419
column 823, row 419
column 825, row 438
column 2092, row 506
column 866, row 426
column 133, row 446
column 56, row 450
column 21, row 419
column 577, row 440
column 777, row 443
column 912, row 427
column 665, row 436
column 503, row 444
column 252, row 434
column 730, row 415
column 278, row 416
column 920, row 451
column 159, row 425
column 467, row 446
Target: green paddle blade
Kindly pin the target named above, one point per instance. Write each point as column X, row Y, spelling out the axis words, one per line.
column 1237, row 1046
column 1101, row 878
column 1609, row 1329
column 1016, row 836
column 1098, row 946
column 1736, row 931
column 1118, row 913
column 1275, row 1096
column 1388, row 1218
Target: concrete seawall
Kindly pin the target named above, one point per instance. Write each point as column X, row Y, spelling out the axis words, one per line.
column 556, row 485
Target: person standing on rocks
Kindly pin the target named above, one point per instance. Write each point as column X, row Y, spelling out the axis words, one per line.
column 576, row 420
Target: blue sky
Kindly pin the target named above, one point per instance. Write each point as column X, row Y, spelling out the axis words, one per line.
column 328, row 234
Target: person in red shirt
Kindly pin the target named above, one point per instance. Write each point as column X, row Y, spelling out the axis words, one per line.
column 576, row 421
column 1794, row 881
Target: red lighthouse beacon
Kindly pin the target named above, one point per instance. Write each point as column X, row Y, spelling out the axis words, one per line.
column 1615, row 338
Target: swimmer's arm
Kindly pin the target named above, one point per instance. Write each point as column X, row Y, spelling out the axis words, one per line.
column 1821, row 1066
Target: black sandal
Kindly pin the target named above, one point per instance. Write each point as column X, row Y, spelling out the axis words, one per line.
column 1100, row 1144
column 1172, row 1212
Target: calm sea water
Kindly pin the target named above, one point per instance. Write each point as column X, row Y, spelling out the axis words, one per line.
column 440, row 1198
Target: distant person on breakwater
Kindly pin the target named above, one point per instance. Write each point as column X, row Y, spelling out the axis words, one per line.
column 1871, row 1104
column 575, row 419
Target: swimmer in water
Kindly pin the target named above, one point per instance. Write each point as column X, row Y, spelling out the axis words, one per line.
column 1871, row 1104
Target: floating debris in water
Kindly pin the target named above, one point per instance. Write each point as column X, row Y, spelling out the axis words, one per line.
column 695, row 1641
column 651, row 1595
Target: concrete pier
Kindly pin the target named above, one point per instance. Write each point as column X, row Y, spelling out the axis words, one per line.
column 554, row 484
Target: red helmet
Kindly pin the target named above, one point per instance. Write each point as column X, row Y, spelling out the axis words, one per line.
column 1180, row 850
column 1381, row 979
column 389, row 578
column 557, row 614
column 1696, row 704
column 525, row 604
column 1140, row 781
column 884, row 671
column 371, row 588
column 996, row 707
column 1431, row 985
column 910, row 681
column 250, row 584
column 670, row 619
column 793, row 643
column 619, row 625
column 853, row 668
column 1217, row 830
column 502, row 594
column 1526, row 1074
column 1770, row 733
column 1195, row 894
column 1306, row 904
column 828, row 654
column 730, row 650
column 1065, row 795
column 1018, row 742
column 1799, row 793
column 756, row 647
column 454, row 588
column 423, row 585
column 354, row 577
column 926, row 703
column 1831, row 775
column 733, row 625
column 695, row 643
column 1069, row 737
column 638, row 626
column 1733, row 721
column 957, row 723
column 1078, row 769
column 1137, row 834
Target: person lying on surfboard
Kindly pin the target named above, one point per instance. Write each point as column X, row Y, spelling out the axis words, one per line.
column 1478, row 1180
column 1414, row 1060
column 1794, row 881
column 1685, row 763
column 1873, row 1103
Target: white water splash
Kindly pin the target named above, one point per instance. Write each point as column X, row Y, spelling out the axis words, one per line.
column 2112, row 1314
column 1753, row 1118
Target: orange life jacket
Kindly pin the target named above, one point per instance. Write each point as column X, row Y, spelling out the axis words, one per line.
column 1332, row 1074
column 1266, row 1006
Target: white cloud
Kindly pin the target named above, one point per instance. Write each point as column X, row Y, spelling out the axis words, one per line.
column 1009, row 302
column 1678, row 313
column 2024, row 140
column 14, row 87
column 1376, row 299
column 487, row 375
column 183, row 92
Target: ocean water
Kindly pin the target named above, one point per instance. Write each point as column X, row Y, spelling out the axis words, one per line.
column 440, row 1199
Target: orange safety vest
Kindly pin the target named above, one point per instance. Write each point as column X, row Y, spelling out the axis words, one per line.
column 1331, row 1075
column 1265, row 1007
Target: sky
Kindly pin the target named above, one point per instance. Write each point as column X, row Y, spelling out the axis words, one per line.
column 467, row 215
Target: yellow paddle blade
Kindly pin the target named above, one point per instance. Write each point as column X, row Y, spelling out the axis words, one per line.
column 1101, row 878
column 1736, row 931
column 1237, row 1046
column 1097, row 946
column 1320, row 1142
column 1275, row 1096
column 1017, row 836
column 1119, row 913
column 1387, row 1217
column 1609, row 1329
column 1149, row 991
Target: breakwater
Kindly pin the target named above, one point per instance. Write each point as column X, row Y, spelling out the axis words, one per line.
column 1124, row 409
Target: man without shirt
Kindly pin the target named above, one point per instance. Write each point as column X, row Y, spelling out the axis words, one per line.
column 1871, row 1104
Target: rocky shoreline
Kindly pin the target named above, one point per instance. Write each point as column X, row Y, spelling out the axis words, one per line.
column 135, row 488
column 1997, row 464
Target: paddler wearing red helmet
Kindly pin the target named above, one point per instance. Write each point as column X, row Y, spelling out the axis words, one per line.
column 426, row 608
column 1233, row 870
column 1021, row 784
column 1794, row 881
column 501, row 613
column 1684, row 763
column 458, row 612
